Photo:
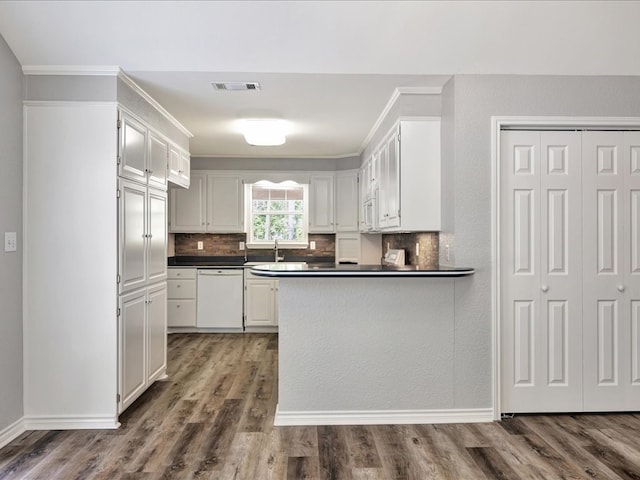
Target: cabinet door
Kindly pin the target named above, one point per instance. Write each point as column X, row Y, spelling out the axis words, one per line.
column 321, row 204
column 132, row 241
column 133, row 150
column 188, row 206
column 174, row 165
column 156, row 235
column 383, row 189
column 179, row 167
column 224, row 204
column 260, row 302
column 185, row 170
column 156, row 331
column 392, row 182
column 132, row 346
column 347, row 201
column 181, row 313
column 158, row 160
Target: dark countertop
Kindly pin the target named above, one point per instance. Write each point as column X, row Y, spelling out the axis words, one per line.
column 282, row 270
column 238, row 261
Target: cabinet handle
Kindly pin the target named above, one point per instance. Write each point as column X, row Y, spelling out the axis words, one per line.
column 621, row 288
column 544, row 288
column 178, row 306
column 202, row 223
column 178, row 286
column 178, row 274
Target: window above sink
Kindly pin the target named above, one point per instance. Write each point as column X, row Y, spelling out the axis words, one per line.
column 277, row 211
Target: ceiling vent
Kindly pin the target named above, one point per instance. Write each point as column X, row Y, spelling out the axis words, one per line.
column 236, row 86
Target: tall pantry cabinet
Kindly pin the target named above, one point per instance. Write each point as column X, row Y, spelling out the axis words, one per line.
column 142, row 253
column 94, row 240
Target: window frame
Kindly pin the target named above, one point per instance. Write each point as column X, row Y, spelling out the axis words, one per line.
column 270, row 244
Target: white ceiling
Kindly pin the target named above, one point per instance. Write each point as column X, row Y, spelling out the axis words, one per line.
column 327, row 66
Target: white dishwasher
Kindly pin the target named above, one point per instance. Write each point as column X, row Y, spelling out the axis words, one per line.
column 220, row 302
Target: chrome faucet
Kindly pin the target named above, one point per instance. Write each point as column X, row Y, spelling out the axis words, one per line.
column 278, row 258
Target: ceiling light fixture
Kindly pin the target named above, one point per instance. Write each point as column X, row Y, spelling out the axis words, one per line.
column 264, row 132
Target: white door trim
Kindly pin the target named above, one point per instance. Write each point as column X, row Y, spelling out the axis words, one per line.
column 534, row 123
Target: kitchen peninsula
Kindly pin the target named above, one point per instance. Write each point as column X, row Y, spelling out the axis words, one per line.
column 367, row 345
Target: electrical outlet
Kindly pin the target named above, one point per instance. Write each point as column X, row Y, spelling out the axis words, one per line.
column 200, row 246
column 417, row 249
column 10, row 242
column 241, row 246
column 312, row 245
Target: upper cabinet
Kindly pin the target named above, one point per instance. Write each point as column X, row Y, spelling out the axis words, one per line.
column 347, row 201
column 149, row 158
column 213, row 203
column 132, row 161
column 158, row 159
column 409, row 177
column 179, row 167
column 321, row 204
column 225, row 212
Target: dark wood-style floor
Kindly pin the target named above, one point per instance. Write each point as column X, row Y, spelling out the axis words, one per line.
column 213, row 419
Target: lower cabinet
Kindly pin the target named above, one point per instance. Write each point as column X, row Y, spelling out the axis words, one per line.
column 181, row 304
column 142, row 341
column 260, row 301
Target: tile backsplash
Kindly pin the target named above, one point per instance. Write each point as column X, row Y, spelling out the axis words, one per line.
column 228, row 244
column 428, row 242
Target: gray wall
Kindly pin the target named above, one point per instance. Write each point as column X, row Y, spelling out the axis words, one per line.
column 69, row 88
column 283, row 164
column 11, row 404
column 476, row 99
column 100, row 88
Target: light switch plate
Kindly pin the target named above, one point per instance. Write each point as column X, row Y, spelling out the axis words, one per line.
column 200, row 245
column 312, row 245
column 10, row 242
column 241, row 246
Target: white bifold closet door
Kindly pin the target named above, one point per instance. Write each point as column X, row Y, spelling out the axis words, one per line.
column 611, row 284
column 541, row 272
column 570, row 271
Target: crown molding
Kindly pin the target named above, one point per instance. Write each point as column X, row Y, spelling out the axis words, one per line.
column 98, row 70
column 140, row 91
column 392, row 101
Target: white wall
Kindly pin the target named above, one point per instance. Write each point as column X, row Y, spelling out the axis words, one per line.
column 10, row 220
column 475, row 100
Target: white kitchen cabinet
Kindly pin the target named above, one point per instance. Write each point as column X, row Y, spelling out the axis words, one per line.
column 181, row 304
column 363, row 249
column 321, row 204
column 179, row 167
column 142, row 341
column 389, row 205
column 143, row 155
column 142, row 235
column 157, row 161
column 213, row 203
column 187, row 212
column 409, row 179
column 132, row 346
column 260, row 301
column 156, row 330
column 224, row 211
column 132, row 161
column 347, row 201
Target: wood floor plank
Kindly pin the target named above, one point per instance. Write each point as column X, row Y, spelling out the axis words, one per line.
column 332, row 452
column 213, row 419
column 303, row 468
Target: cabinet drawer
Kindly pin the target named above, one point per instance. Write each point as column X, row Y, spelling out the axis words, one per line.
column 181, row 288
column 181, row 273
column 181, row 313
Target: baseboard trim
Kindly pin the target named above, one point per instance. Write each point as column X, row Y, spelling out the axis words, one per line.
column 13, row 431
column 382, row 417
column 68, row 422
